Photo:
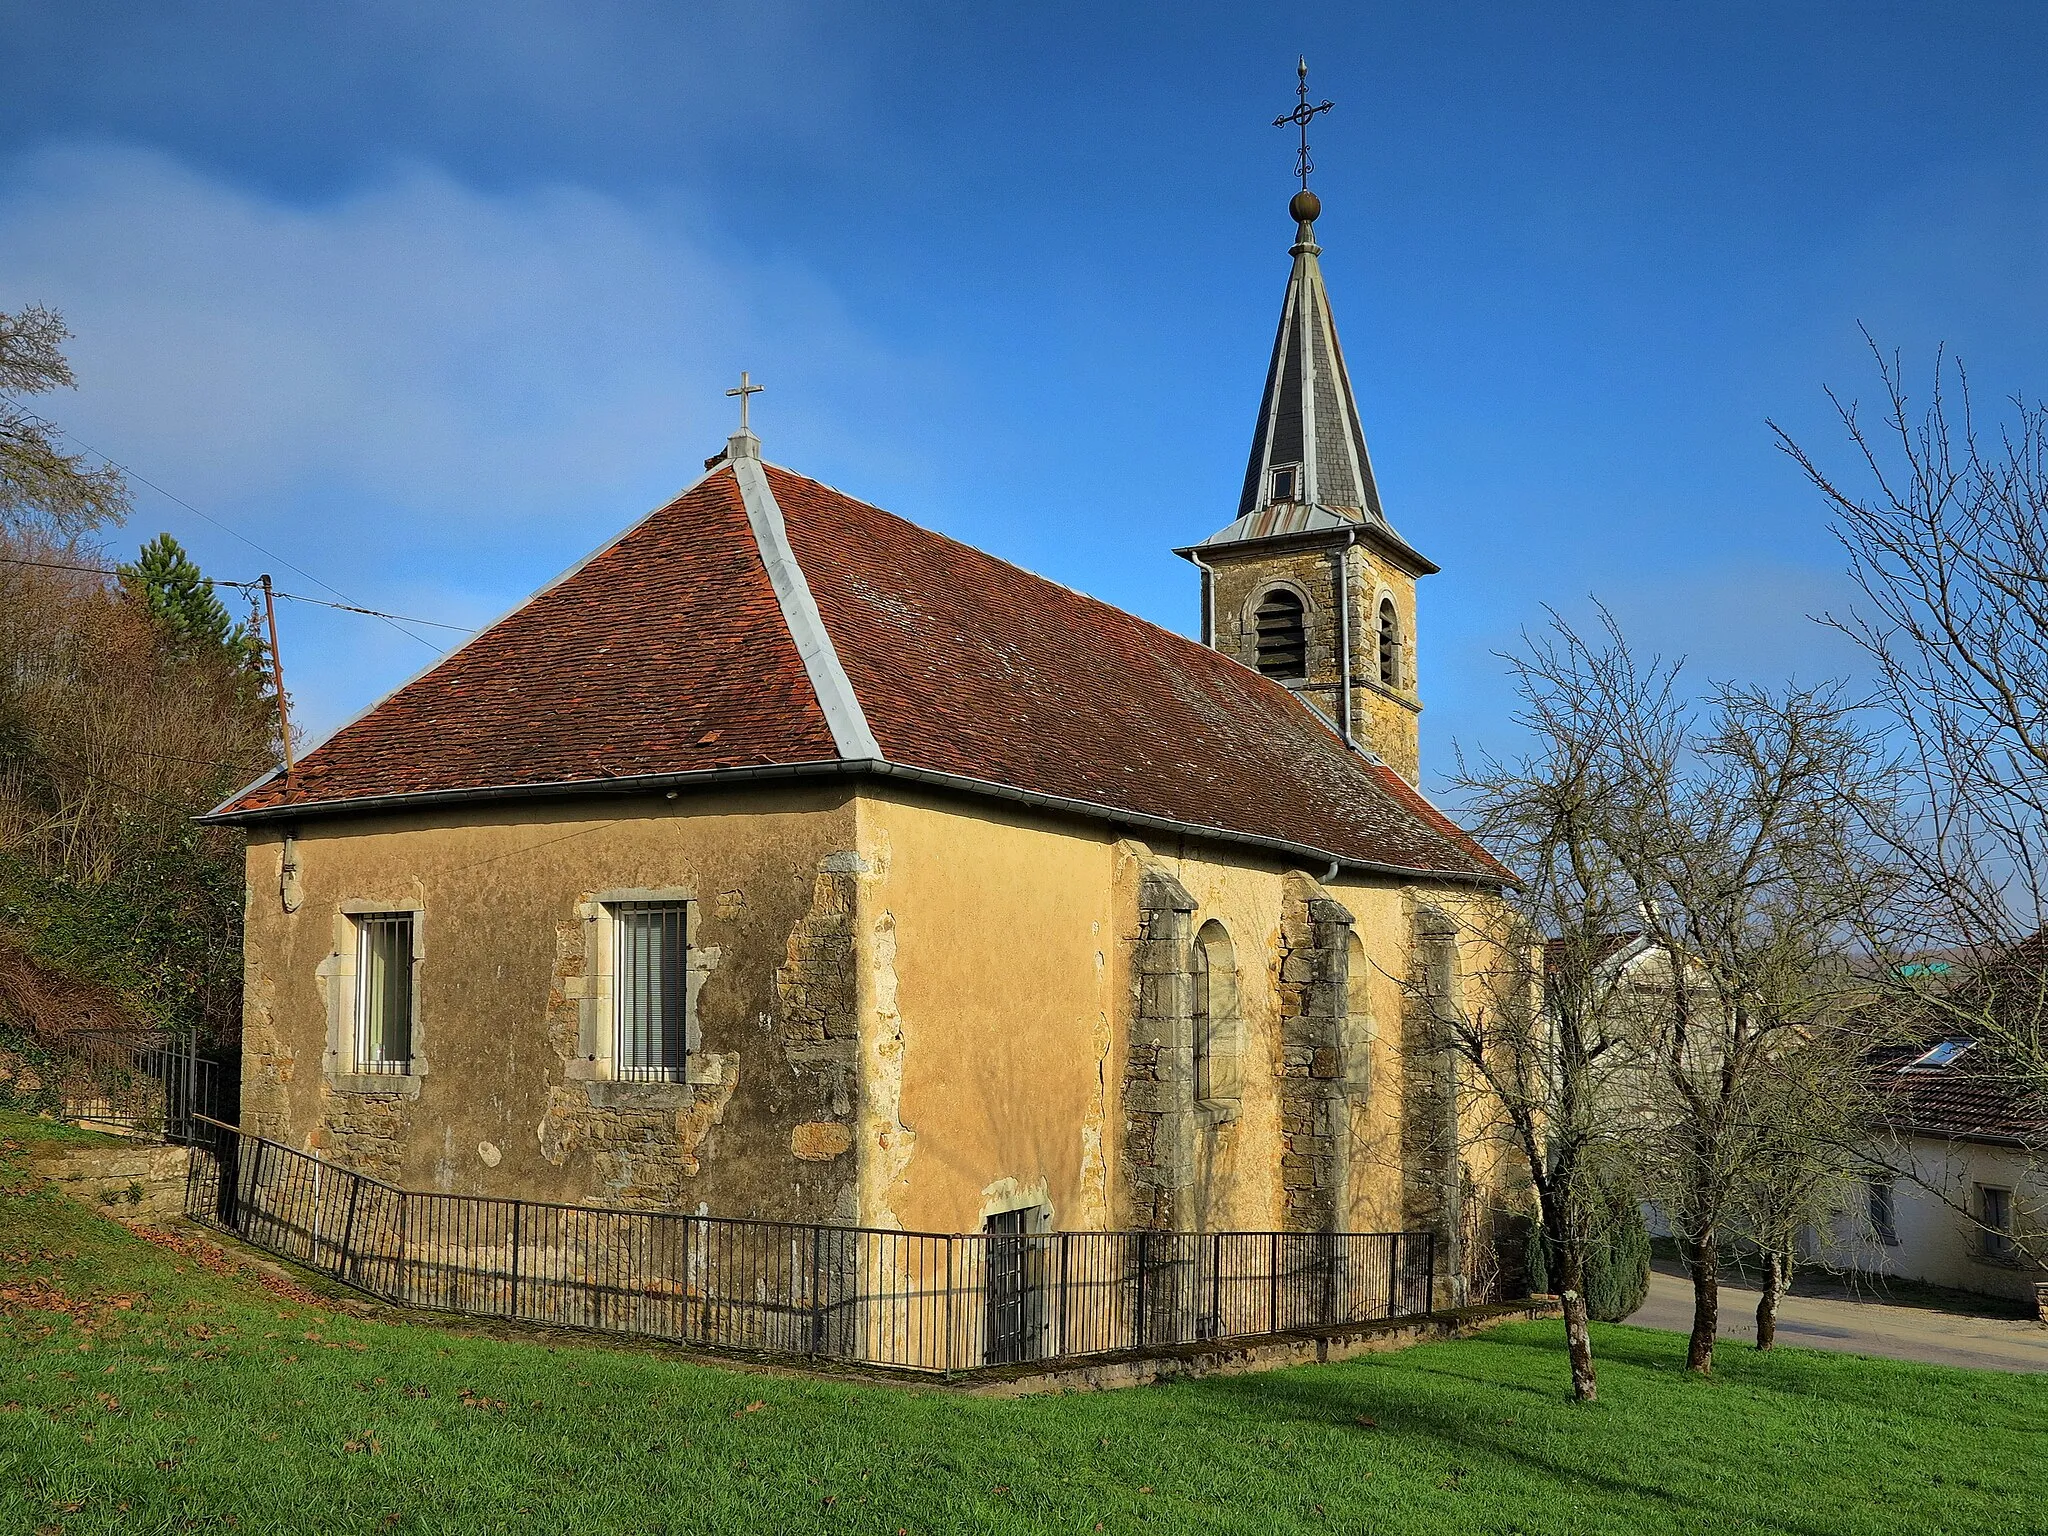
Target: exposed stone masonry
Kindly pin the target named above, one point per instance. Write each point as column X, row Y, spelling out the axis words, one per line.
column 817, row 995
column 1314, row 956
column 1159, row 1074
column 366, row 1132
column 1382, row 720
column 1431, row 1193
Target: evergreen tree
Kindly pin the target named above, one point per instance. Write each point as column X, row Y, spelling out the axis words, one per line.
column 180, row 602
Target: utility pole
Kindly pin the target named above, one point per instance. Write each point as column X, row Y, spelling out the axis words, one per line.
column 284, row 719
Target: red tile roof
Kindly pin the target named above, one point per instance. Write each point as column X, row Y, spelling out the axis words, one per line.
column 668, row 653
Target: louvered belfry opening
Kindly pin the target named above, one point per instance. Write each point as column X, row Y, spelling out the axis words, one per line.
column 1283, row 638
column 1390, row 644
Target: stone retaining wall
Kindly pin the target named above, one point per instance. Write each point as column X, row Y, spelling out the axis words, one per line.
column 134, row 1181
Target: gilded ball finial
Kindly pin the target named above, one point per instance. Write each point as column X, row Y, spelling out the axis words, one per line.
column 1305, row 207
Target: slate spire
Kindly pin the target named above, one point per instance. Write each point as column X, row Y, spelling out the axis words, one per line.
column 1308, row 449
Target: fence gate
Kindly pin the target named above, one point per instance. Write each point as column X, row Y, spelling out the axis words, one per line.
column 1014, row 1288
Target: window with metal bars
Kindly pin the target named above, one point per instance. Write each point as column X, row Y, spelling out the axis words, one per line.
column 384, row 992
column 650, row 997
column 1390, row 644
column 1282, row 631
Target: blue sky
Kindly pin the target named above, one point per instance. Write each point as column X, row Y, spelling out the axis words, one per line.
column 430, row 300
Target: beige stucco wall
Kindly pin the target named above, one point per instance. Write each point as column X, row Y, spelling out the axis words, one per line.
column 990, row 958
column 916, row 1009
column 498, row 888
column 999, row 948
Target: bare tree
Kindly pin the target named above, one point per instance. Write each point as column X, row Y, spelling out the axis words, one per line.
column 1748, row 847
column 1550, row 1030
column 1945, row 522
column 1733, row 835
column 41, row 486
column 1809, row 1117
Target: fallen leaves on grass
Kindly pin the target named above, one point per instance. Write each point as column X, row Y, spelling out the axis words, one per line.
column 470, row 1399
column 754, row 1407
column 37, row 1294
column 211, row 1256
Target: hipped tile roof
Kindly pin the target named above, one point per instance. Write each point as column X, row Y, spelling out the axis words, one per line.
column 667, row 653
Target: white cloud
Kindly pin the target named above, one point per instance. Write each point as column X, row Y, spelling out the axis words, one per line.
column 431, row 396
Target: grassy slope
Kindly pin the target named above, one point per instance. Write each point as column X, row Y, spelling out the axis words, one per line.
column 213, row 1403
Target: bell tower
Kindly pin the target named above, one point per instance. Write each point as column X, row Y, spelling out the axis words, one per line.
column 1310, row 585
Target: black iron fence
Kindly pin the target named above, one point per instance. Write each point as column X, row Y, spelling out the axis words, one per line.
column 920, row 1300
column 154, row 1082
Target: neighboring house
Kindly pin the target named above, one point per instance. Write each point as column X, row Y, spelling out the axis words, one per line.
column 1964, row 1199
column 785, row 859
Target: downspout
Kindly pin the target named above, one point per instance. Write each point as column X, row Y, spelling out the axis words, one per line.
column 1208, row 599
column 1344, row 631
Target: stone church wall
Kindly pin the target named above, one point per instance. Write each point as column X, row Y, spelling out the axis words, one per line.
column 915, row 1011
column 504, row 897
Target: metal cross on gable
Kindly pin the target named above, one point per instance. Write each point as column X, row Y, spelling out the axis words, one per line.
column 746, row 388
column 1302, row 115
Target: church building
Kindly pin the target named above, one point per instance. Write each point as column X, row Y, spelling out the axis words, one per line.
column 784, row 859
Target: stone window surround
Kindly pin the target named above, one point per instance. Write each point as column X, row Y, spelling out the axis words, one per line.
column 338, row 1063
column 595, row 1029
column 1225, row 1065
column 1247, row 619
column 1404, row 654
column 1994, row 1245
column 1359, row 1031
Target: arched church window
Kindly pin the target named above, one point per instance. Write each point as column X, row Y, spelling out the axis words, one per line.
column 1390, row 644
column 1218, row 1048
column 1282, row 631
column 1357, row 1018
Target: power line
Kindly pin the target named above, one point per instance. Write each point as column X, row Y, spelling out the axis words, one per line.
column 245, row 586
column 51, row 426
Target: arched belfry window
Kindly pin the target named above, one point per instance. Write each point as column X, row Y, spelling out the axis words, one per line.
column 1282, row 630
column 1218, row 1047
column 1390, row 644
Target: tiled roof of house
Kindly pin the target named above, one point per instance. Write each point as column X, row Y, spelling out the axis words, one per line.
column 672, row 652
column 1977, row 1096
column 1963, row 1078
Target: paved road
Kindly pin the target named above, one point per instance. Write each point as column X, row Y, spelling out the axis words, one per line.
column 1859, row 1327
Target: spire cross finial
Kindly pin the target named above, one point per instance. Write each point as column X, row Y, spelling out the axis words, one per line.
column 1302, row 115
column 743, row 391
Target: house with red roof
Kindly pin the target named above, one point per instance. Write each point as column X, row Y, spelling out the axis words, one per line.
column 785, row 859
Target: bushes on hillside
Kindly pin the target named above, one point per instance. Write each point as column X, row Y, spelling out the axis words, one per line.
column 128, row 706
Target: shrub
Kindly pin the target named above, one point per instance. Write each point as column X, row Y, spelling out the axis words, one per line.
column 1617, row 1262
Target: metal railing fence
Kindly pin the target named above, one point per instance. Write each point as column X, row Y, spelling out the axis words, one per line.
column 919, row 1300
column 150, row 1081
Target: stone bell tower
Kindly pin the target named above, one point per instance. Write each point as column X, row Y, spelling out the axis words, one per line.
column 1310, row 584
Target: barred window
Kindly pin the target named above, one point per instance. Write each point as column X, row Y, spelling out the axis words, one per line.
column 1282, row 636
column 384, row 980
column 650, row 1007
column 1884, row 1211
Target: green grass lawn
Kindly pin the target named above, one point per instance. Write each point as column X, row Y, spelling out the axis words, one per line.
column 141, row 1391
